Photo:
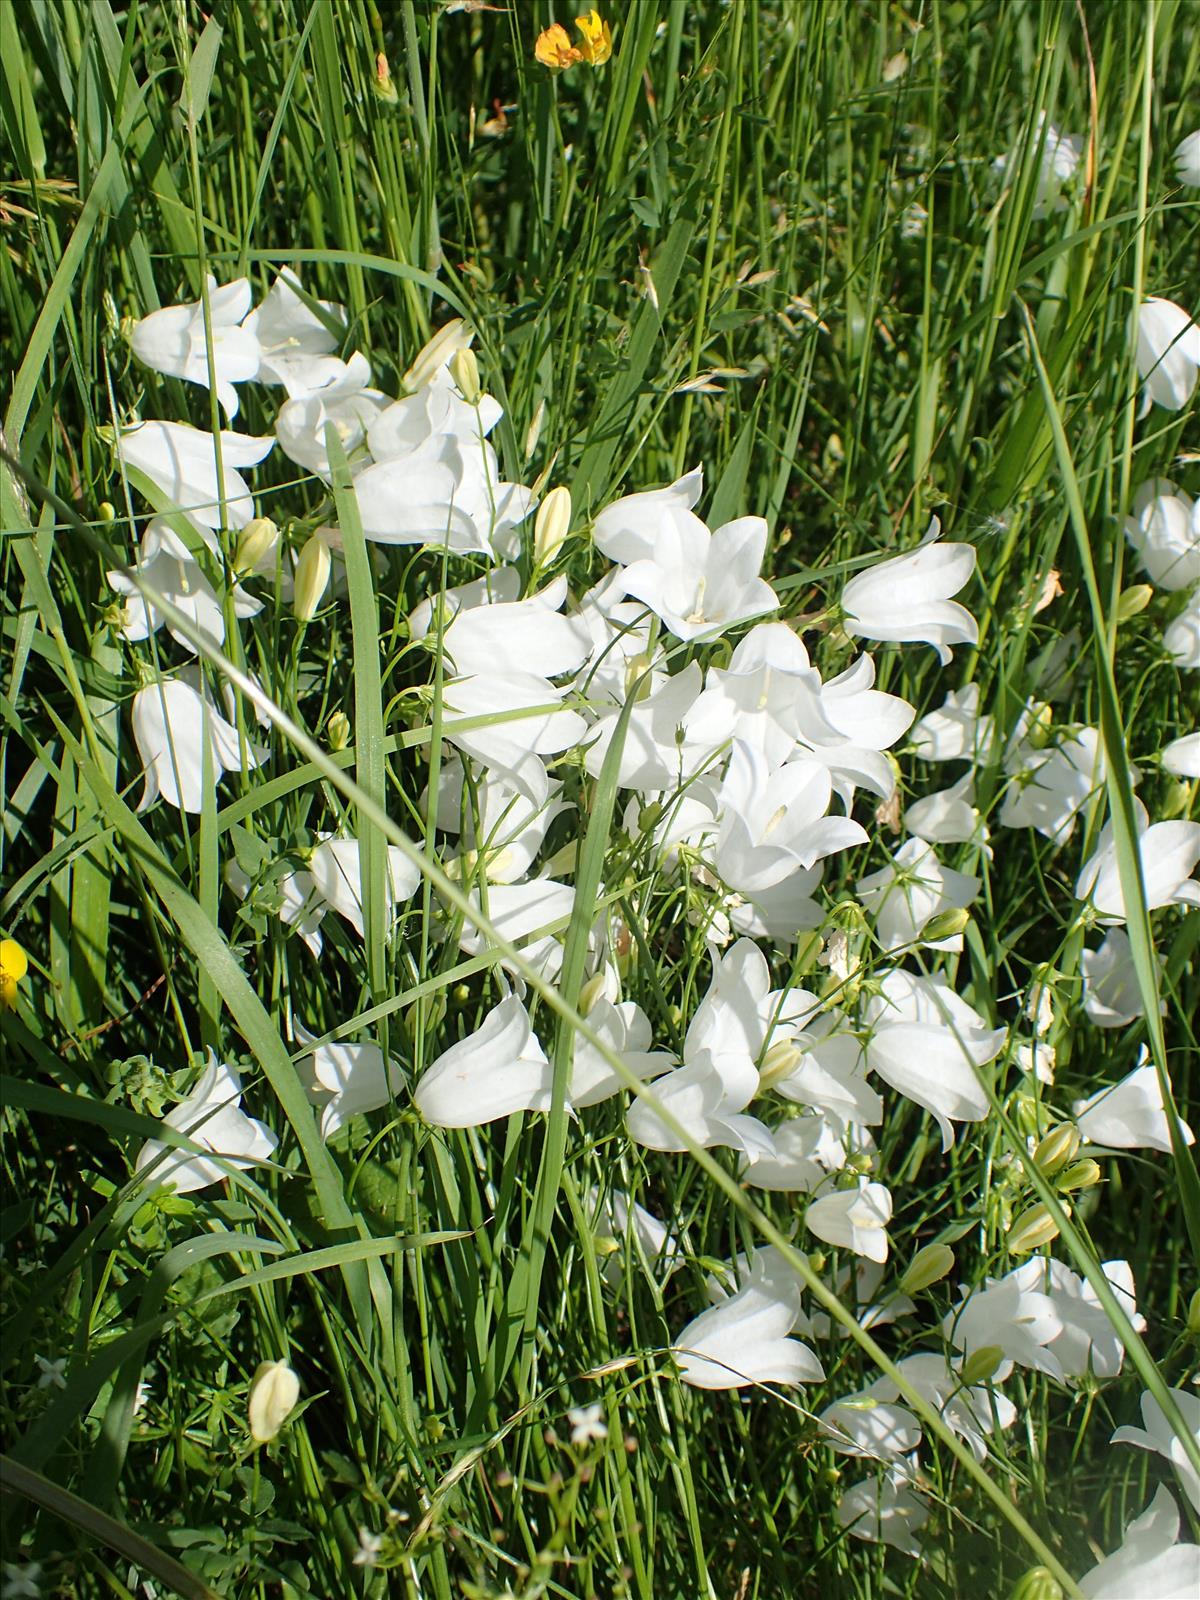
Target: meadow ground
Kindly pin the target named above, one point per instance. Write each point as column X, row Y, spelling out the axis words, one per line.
column 664, row 1072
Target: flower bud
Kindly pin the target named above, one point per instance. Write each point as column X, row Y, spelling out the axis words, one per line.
column 981, row 1365
column 535, row 430
column 780, row 1061
column 312, row 578
column 337, row 730
column 945, row 925
column 1193, row 1316
column 1031, row 1230
column 550, row 527
column 274, row 1390
column 464, row 369
column 1056, row 1149
column 1134, row 600
column 592, row 991
column 1039, row 1583
column 929, row 1266
column 106, row 511
column 382, row 83
column 1083, row 1174
column 434, row 355
column 255, row 543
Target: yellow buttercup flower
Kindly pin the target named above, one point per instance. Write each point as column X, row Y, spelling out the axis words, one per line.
column 595, row 39
column 14, row 964
column 554, row 49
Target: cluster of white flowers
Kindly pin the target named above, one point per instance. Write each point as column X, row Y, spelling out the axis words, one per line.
column 740, row 774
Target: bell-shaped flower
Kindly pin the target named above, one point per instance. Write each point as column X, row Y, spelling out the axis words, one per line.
column 497, row 584
column 1019, row 1321
column 864, row 1425
column 517, row 636
column 1053, row 785
column 520, row 913
column 625, row 1029
column 807, row 1150
column 906, row 895
column 887, row 1510
column 706, row 1096
column 633, row 528
column 829, row 1074
column 1164, row 529
column 956, row 731
column 501, row 719
column 336, row 875
column 1187, row 160
column 1182, row 756
column 769, row 695
column 1181, row 637
column 971, row 1413
column 166, row 564
column 744, row 1341
column 346, row 1080
column 503, row 817
column 297, row 345
column 174, row 721
column 928, row 1044
column 181, row 462
column 499, row 1069
column 1129, row 1115
column 1168, row 353
column 1169, row 852
column 1111, row 997
column 864, row 722
column 702, row 584
column 1151, row 1564
column 1058, row 159
column 173, row 341
column 948, row 816
column 853, row 1219
column 435, row 479
column 774, row 824
column 212, row 1118
column 346, row 399
column 1088, row 1343
column 658, row 752
column 909, row 597
column 1158, row 1435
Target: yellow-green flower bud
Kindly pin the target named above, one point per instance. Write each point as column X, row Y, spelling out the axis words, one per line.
column 274, row 1390
column 1031, row 1230
column 1134, row 600
column 106, row 511
column 535, row 430
column 312, row 578
column 464, row 369
column 1056, row 1149
column 255, row 543
column 946, row 925
column 337, row 730
column 1083, row 1174
column 436, row 353
column 592, row 990
column 780, row 1061
column 1039, row 1583
column 807, row 953
column 981, row 1364
column 929, row 1266
column 382, row 84
column 551, row 525
column 1193, row 1316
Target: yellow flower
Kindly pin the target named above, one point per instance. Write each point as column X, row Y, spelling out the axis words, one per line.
column 595, row 39
column 14, row 964
column 554, row 49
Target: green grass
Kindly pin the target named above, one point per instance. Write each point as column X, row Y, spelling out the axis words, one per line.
column 763, row 194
